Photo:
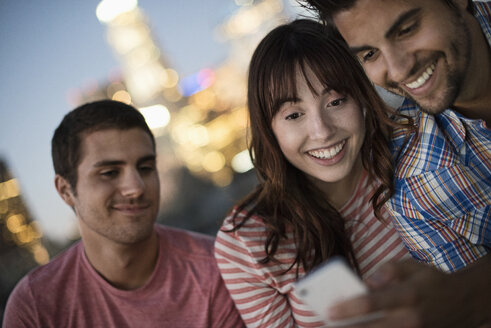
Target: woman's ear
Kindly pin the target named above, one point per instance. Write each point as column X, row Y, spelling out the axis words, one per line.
column 64, row 190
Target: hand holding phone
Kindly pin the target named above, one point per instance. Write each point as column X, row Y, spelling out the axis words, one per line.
column 329, row 284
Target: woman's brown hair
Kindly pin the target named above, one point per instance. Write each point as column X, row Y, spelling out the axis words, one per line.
column 285, row 198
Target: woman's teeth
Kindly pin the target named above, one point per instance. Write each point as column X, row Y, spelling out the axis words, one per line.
column 327, row 153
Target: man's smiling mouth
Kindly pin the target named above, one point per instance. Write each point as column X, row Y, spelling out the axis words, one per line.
column 421, row 80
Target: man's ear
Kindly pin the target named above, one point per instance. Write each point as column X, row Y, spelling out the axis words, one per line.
column 64, row 190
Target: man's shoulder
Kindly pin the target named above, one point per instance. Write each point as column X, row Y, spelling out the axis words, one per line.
column 185, row 241
column 46, row 274
column 40, row 284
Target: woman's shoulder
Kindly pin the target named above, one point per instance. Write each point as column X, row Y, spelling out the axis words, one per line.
column 244, row 244
column 243, row 218
column 243, row 226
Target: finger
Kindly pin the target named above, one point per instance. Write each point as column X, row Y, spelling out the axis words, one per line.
column 378, row 300
column 393, row 297
column 354, row 307
column 401, row 318
column 393, row 272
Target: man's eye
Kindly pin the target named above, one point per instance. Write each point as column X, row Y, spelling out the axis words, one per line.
column 408, row 29
column 147, row 168
column 292, row 116
column 367, row 56
column 109, row 173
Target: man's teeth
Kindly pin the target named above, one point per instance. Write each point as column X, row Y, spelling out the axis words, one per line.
column 423, row 78
column 329, row 152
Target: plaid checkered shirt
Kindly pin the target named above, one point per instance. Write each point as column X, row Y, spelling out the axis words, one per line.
column 442, row 201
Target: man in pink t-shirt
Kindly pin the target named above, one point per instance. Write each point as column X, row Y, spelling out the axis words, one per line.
column 126, row 271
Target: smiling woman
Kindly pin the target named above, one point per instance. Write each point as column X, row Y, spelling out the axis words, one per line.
column 321, row 134
column 319, row 143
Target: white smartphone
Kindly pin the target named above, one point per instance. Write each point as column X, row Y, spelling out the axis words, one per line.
column 331, row 283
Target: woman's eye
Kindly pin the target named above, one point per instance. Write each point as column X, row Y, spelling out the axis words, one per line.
column 292, row 116
column 337, row 102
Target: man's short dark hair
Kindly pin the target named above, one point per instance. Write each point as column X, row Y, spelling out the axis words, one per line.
column 87, row 118
column 327, row 9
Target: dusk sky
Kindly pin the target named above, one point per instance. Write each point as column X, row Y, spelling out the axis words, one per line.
column 52, row 47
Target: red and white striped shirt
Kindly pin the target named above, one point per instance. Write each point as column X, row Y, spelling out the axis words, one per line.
column 264, row 293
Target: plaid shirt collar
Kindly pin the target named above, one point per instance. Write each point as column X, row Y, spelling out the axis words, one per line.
column 483, row 16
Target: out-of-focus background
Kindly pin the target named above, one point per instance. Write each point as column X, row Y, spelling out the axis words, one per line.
column 182, row 63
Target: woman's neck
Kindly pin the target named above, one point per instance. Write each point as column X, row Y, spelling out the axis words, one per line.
column 340, row 192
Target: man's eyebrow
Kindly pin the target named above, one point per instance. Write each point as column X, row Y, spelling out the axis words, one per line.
column 148, row 158
column 356, row 50
column 120, row 162
column 108, row 163
column 401, row 20
column 392, row 30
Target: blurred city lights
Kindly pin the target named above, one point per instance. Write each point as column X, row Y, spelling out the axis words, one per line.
column 205, row 99
column 197, row 82
column 107, row 10
column 122, row 96
column 113, row 88
column 171, row 78
column 242, row 162
column 41, row 255
column 156, row 116
column 15, row 223
column 197, row 135
column 214, row 161
column 4, row 207
column 244, row 2
column 209, row 115
column 223, row 177
column 248, row 20
column 9, row 189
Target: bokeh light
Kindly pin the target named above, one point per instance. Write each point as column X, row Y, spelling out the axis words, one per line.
column 156, row 116
column 107, row 10
column 242, row 162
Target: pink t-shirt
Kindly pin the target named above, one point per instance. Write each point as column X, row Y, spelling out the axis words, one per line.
column 185, row 290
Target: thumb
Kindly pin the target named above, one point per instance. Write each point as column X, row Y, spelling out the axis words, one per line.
column 393, row 272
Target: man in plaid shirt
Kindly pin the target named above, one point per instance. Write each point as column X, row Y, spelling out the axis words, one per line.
column 437, row 54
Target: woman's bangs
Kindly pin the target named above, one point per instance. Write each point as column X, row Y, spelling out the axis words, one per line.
column 281, row 83
column 327, row 68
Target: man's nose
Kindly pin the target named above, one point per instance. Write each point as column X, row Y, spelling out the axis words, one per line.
column 399, row 63
column 132, row 184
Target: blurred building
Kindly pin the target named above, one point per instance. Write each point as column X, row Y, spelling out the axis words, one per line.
column 200, row 121
column 22, row 246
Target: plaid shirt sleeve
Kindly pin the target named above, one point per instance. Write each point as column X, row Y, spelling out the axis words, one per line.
column 442, row 201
